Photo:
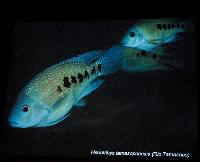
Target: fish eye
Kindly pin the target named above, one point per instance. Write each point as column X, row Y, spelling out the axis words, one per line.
column 25, row 108
column 132, row 34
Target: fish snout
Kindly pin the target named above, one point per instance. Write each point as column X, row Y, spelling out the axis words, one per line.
column 13, row 123
column 16, row 124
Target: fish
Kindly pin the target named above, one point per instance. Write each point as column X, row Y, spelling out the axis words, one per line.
column 48, row 98
column 162, row 58
column 147, row 34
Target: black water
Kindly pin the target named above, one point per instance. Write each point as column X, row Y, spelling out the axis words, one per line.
column 153, row 111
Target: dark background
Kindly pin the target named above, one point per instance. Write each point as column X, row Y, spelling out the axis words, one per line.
column 153, row 111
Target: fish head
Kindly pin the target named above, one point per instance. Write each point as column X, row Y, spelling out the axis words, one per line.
column 133, row 38
column 27, row 112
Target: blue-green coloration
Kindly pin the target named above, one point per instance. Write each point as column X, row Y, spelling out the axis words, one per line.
column 151, row 33
column 136, row 60
column 48, row 98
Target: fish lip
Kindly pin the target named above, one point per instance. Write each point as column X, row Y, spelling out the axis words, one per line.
column 126, row 45
column 13, row 123
column 123, row 43
column 16, row 126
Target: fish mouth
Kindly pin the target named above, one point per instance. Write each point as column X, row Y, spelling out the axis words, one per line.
column 123, row 43
column 13, row 123
column 18, row 124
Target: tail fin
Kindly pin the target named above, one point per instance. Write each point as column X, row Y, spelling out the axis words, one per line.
column 189, row 25
column 112, row 59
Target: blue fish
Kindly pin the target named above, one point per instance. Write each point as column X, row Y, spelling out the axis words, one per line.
column 48, row 98
column 151, row 33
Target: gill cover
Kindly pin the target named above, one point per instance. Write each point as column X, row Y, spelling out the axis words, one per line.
column 133, row 38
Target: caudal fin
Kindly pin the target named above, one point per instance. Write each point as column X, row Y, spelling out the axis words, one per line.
column 112, row 59
column 189, row 25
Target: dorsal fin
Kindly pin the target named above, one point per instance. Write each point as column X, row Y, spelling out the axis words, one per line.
column 87, row 58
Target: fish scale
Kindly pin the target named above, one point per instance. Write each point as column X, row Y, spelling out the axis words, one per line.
column 151, row 33
column 50, row 95
column 47, row 89
column 74, row 91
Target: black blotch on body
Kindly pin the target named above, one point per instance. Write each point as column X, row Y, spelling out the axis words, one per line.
column 138, row 54
column 173, row 26
column 177, row 25
column 164, row 26
column 86, row 74
column 59, row 89
column 99, row 67
column 80, row 77
column 169, row 26
column 73, row 79
column 93, row 70
column 154, row 56
column 159, row 26
column 182, row 26
column 143, row 53
column 66, row 84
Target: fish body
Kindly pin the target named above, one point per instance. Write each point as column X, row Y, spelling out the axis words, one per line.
column 48, row 98
column 136, row 60
column 149, row 34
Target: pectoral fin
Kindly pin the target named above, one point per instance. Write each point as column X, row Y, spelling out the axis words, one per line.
column 154, row 41
column 91, row 87
column 175, row 38
column 80, row 103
